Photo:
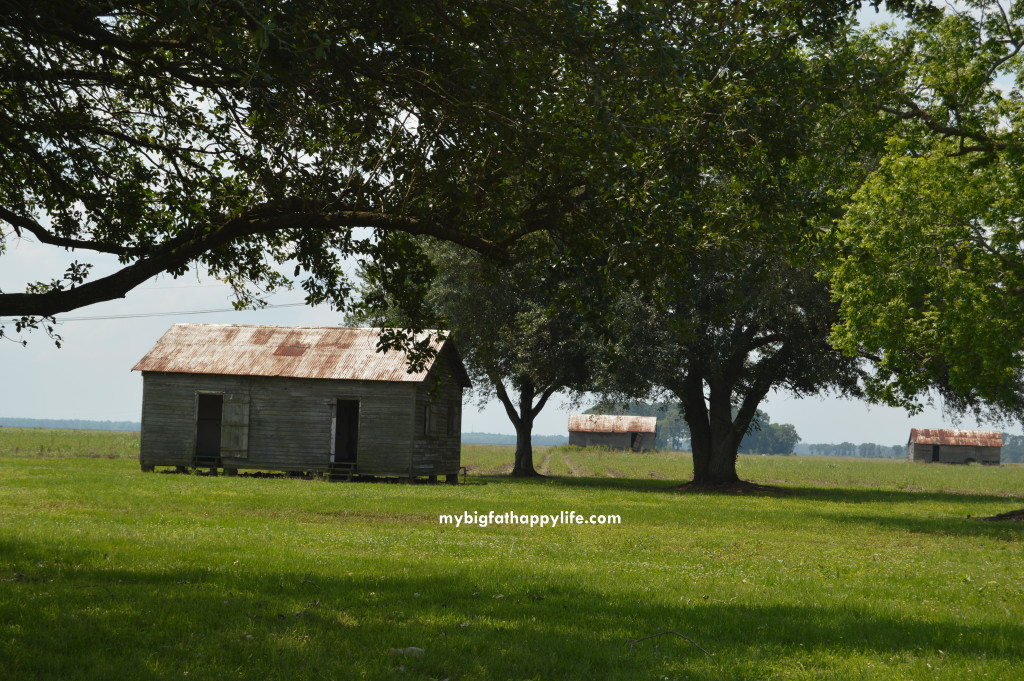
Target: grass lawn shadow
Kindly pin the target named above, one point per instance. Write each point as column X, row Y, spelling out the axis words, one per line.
column 874, row 495
column 66, row 620
column 591, row 482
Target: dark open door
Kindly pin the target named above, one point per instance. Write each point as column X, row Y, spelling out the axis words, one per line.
column 346, row 431
column 935, row 452
column 209, row 410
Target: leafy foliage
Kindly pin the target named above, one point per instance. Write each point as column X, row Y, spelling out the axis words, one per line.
column 931, row 270
column 765, row 437
column 236, row 136
column 518, row 342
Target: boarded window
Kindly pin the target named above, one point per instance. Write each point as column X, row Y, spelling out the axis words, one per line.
column 234, row 432
column 428, row 420
column 453, row 418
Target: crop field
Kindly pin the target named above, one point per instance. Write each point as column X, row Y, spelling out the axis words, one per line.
column 842, row 569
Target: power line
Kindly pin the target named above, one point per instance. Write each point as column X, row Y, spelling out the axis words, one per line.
column 61, row 320
column 167, row 288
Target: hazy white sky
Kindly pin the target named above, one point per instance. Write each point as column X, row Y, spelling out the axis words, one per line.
column 90, row 377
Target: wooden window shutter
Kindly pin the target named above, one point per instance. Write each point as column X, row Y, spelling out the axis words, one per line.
column 234, row 430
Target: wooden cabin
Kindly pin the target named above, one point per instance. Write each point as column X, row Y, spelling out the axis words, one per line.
column 636, row 433
column 936, row 445
column 301, row 399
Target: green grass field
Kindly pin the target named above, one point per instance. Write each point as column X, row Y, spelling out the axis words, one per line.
column 850, row 570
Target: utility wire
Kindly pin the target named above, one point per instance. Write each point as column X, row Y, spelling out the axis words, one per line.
column 61, row 320
column 167, row 288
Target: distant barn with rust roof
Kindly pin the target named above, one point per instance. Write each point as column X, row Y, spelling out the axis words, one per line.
column 616, row 432
column 939, row 445
column 301, row 399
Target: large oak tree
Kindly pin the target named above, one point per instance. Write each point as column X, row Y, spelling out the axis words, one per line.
column 719, row 301
column 234, row 136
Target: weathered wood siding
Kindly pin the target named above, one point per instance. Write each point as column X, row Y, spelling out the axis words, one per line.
column 437, row 444
column 290, row 423
column 581, row 438
column 955, row 453
column 645, row 442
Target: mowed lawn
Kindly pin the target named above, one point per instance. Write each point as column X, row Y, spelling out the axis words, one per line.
column 851, row 569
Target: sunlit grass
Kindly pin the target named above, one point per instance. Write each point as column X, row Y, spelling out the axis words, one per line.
column 851, row 570
column 44, row 442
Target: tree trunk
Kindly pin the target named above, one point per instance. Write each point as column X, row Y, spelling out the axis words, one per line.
column 718, row 464
column 523, row 467
column 522, row 418
column 714, row 436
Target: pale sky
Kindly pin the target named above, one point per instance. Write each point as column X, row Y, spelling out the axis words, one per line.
column 90, row 376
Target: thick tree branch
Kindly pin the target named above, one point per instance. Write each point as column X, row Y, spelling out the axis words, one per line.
column 537, row 408
column 506, row 401
column 914, row 111
column 180, row 251
column 20, row 222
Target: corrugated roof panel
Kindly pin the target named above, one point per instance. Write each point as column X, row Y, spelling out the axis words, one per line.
column 608, row 423
column 296, row 352
column 949, row 436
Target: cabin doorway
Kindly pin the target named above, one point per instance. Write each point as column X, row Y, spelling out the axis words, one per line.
column 935, row 453
column 346, row 431
column 209, row 411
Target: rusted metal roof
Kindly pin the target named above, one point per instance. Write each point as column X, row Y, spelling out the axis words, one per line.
column 294, row 351
column 607, row 423
column 947, row 436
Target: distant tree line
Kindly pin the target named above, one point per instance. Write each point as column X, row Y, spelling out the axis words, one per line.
column 70, row 424
column 765, row 437
column 507, row 439
column 864, row 450
column 1013, row 448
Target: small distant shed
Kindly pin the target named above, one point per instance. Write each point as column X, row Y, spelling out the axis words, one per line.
column 616, row 432
column 939, row 445
column 301, row 399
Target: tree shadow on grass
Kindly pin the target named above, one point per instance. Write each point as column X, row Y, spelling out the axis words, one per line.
column 938, row 525
column 846, row 495
column 592, row 482
column 873, row 495
column 67, row 619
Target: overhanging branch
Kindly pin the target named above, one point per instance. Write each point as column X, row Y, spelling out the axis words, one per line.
column 179, row 251
column 914, row 111
column 20, row 222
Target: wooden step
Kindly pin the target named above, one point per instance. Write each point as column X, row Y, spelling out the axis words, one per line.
column 341, row 470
